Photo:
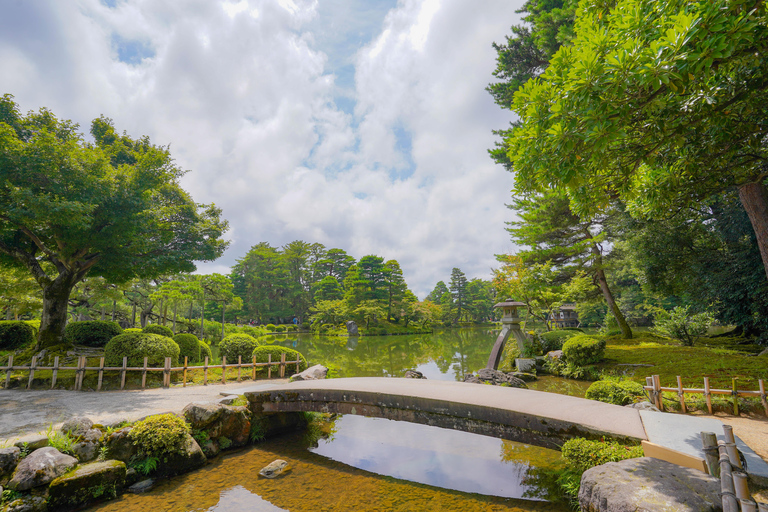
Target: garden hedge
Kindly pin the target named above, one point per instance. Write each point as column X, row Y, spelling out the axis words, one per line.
column 238, row 344
column 91, row 333
column 189, row 346
column 582, row 454
column 617, row 393
column 583, row 349
column 137, row 346
column 263, row 352
column 16, row 334
column 158, row 329
column 553, row 340
column 205, row 351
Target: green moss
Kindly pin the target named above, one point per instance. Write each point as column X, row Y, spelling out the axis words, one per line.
column 160, row 435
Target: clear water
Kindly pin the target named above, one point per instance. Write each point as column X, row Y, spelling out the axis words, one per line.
column 374, row 464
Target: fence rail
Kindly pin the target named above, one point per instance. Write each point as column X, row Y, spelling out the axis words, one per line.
column 167, row 369
column 653, row 385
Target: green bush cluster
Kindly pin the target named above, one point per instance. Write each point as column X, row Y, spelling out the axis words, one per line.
column 617, row 393
column 158, row 329
column 16, row 334
column 160, row 435
column 280, row 328
column 137, row 346
column 91, row 333
column 553, row 340
column 270, row 327
column 205, row 351
column 236, row 345
column 189, row 346
column 582, row 454
column 263, row 352
column 583, row 349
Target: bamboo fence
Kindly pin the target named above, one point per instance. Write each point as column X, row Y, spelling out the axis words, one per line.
column 166, row 369
column 654, row 387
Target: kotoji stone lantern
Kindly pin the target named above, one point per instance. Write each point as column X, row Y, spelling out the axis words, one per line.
column 510, row 321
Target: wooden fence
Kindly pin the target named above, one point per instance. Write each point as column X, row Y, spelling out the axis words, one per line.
column 653, row 385
column 167, row 369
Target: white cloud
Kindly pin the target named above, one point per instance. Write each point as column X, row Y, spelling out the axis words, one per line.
column 249, row 96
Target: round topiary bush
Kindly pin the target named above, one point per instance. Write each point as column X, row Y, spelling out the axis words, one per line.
column 609, row 392
column 263, row 352
column 205, row 351
column 16, row 334
column 189, row 346
column 158, row 329
column 238, row 344
column 280, row 328
column 270, row 327
column 160, row 435
column 553, row 340
column 583, row 349
column 91, row 333
column 137, row 346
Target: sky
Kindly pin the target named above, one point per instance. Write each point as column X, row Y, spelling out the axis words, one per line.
column 363, row 125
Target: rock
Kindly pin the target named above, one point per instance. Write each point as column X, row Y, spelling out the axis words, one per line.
column 9, row 458
column 86, row 451
column 644, row 406
column 32, row 442
column 132, row 476
column 119, row 445
column 274, row 468
column 312, row 373
column 555, row 354
column 87, row 483
column 413, row 374
column 496, row 378
column 40, row 467
column 27, row 504
column 227, row 400
column 763, row 353
column 200, row 416
column 191, row 457
column 235, row 425
column 525, row 365
column 527, row 377
column 352, row 328
column 648, row 485
column 143, row 486
column 210, row 449
column 77, row 427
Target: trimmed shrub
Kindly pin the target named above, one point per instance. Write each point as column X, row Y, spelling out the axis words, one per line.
column 280, row 328
column 263, row 352
column 237, row 345
column 553, row 340
column 160, row 435
column 270, row 327
column 158, row 329
column 582, row 454
column 617, row 393
column 132, row 329
column 137, row 346
column 91, row 333
column 189, row 346
column 16, row 334
column 583, row 349
column 205, row 351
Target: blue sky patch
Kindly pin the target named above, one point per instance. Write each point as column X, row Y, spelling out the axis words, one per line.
column 131, row 51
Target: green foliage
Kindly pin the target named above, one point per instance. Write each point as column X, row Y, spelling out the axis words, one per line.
column 679, row 324
column 9, row 495
column 553, row 340
column 617, row 393
column 582, row 454
column 189, row 346
column 144, row 465
column 60, row 440
column 205, row 351
column 137, row 346
column 15, row 334
column 160, row 435
column 162, row 330
column 93, row 333
column 263, row 352
column 280, row 328
column 259, row 425
column 582, row 349
column 224, row 442
column 236, row 345
column 271, row 327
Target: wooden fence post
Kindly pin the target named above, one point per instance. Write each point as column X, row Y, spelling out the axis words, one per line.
column 101, row 373
column 55, row 372
column 298, row 363
column 680, row 394
column 730, row 503
column 657, row 390
column 254, row 369
column 8, row 372
column 224, row 369
column 269, row 367
column 167, row 373
column 32, row 372
column 735, row 394
column 763, row 397
column 144, row 375
column 282, row 365
column 123, row 372
column 707, row 394
column 185, row 372
column 239, row 365
column 709, row 446
column 81, row 362
column 205, row 372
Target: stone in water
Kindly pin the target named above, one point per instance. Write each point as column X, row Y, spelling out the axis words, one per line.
column 274, row 468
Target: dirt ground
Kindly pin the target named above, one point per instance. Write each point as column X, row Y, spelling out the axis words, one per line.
column 753, row 430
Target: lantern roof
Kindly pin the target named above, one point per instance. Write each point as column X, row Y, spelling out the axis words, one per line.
column 509, row 303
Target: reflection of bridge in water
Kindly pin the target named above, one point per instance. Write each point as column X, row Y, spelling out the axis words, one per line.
column 534, row 417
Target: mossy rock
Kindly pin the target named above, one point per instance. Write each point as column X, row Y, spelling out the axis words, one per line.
column 137, row 346
column 87, row 483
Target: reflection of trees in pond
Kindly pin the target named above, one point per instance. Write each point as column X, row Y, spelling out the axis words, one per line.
column 540, row 468
column 459, row 350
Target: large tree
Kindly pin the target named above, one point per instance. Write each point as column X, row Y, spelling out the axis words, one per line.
column 112, row 208
column 662, row 104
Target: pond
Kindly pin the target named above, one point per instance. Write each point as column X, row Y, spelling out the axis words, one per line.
column 367, row 464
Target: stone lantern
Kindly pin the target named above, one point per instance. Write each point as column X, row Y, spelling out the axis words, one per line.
column 510, row 322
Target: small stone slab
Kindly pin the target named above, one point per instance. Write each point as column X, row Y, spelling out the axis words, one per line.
column 77, row 427
column 40, row 467
column 87, row 483
column 143, row 486
column 646, row 484
column 32, row 441
column 315, row 372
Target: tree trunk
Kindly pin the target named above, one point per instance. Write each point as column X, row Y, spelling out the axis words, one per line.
column 55, row 303
column 754, row 198
column 602, row 282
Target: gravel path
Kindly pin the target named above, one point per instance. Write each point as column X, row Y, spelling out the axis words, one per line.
column 752, row 430
column 25, row 412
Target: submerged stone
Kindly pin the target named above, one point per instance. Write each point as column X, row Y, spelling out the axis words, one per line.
column 143, row 486
column 87, row 483
column 274, row 468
